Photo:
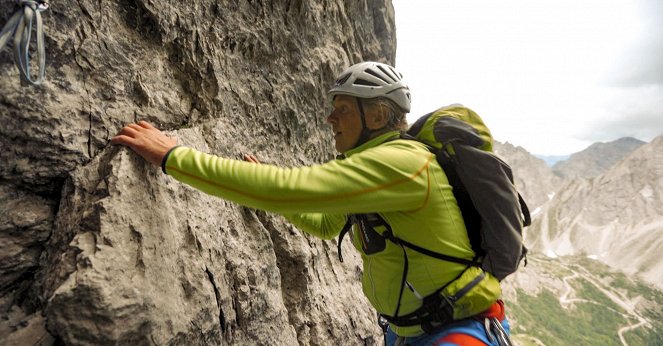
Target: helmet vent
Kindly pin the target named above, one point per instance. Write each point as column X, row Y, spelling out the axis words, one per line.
column 390, row 74
column 377, row 75
column 396, row 73
column 365, row 82
column 343, row 79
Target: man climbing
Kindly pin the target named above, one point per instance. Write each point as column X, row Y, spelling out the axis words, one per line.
column 377, row 172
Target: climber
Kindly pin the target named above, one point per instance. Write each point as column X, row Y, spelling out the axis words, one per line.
column 377, row 172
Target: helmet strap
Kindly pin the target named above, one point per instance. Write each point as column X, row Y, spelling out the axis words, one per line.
column 365, row 134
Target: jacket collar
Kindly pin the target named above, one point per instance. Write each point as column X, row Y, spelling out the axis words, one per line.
column 372, row 143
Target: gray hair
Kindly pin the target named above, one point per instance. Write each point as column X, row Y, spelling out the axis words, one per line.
column 397, row 120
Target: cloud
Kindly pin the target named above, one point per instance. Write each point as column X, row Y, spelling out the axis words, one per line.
column 643, row 125
column 629, row 112
column 641, row 61
column 553, row 77
column 634, row 104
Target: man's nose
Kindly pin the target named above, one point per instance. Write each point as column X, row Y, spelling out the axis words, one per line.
column 331, row 118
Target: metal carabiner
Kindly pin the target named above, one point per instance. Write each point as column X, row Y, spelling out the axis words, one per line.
column 43, row 5
column 489, row 332
column 502, row 336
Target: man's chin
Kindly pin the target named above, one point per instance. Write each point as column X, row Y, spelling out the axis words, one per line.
column 336, row 145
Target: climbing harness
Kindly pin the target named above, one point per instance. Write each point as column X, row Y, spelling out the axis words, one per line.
column 20, row 27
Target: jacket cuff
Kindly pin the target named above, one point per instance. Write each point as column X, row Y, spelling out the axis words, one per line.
column 165, row 159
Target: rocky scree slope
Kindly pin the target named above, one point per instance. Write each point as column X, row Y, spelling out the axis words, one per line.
column 608, row 207
column 616, row 217
column 97, row 247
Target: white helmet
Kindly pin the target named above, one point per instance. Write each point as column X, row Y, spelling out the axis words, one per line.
column 371, row 79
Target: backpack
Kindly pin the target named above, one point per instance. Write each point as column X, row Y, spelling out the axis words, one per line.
column 493, row 210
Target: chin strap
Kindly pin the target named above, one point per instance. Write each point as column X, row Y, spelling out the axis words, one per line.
column 366, row 133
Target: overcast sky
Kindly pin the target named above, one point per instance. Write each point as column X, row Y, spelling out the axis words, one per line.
column 550, row 76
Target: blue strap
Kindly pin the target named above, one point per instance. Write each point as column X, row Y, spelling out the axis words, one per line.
column 20, row 27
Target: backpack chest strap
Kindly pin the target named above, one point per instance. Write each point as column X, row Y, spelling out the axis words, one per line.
column 374, row 220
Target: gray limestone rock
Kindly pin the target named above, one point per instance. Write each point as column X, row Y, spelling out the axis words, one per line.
column 98, row 247
column 534, row 179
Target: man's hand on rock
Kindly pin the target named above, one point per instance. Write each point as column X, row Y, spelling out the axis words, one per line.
column 251, row 158
column 146, row 140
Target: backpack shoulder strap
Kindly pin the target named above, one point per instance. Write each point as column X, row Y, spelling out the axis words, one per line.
column 346, row 228
column 527, row 218
column 377, row 220
column 470, row 214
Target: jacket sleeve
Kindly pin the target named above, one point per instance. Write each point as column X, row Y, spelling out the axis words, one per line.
column 384, row 178
column 325, row 226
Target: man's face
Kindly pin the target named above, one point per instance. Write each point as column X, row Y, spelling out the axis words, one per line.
column 345, row 121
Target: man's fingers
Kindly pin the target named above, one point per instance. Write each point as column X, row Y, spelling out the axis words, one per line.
column 123, row 140
column 146, row 140
column 251, row 158
column 129, row 131
column 146, row 125
column 135, row 127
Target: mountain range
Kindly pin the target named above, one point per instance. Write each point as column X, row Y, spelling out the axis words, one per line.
column 596, row 159
column 594, row 272
column 605, row 202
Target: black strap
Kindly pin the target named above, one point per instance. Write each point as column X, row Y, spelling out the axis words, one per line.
column 346, row 228
column 430, row 253
column 365, row 134
column 527, row 218
column 352, row 219
column 434, row 312
column 436, row 309
column 471, row 215
column 403, row 280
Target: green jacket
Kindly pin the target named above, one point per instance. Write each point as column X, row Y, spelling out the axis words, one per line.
column 399, row 179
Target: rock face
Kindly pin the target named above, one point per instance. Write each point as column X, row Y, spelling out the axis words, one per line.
column 596, row 159
column 97, row 247
column 534, row 179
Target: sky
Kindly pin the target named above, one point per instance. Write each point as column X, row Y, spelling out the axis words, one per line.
column 550, row 76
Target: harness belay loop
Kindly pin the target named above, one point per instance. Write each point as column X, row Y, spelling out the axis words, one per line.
column 19, row 27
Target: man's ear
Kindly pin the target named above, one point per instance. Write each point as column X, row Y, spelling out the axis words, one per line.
column 379, row 117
